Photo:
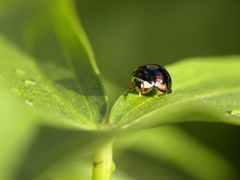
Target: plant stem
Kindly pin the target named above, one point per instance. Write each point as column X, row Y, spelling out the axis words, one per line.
column 103, row 165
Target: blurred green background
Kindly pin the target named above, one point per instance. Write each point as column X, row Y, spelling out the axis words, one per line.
column 126, row 34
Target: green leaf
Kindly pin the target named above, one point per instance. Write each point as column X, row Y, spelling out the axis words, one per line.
column 46, row 59
column 30, row 148
column 204, row 89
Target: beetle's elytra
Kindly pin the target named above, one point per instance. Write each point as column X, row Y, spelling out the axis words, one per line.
column 148, row 76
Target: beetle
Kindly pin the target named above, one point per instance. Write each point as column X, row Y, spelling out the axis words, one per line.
column 150, row 76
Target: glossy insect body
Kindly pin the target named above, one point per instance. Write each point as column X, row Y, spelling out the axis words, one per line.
column 148, row 76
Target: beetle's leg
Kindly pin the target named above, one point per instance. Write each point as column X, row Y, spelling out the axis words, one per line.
column 139, row 91
column 159, row 96
column 140, row 94
column 146, row 90
column 131, row 87
column 143, row 91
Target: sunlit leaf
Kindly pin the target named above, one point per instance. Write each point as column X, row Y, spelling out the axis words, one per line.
column 30, row 148
column 204, row 89
column 46, row 59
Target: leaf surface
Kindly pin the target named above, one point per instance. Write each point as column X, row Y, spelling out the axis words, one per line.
column 30, row 148
column 46, row 59
column 204, row 89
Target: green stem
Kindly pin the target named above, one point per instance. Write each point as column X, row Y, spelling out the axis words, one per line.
column 103, row 165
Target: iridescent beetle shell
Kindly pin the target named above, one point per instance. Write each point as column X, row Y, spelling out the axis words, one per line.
column 148, row 76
